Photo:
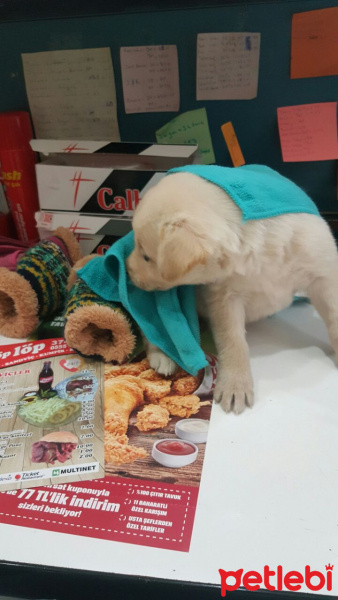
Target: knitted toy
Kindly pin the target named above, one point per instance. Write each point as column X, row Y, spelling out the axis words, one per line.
column 44, row 282
column 95, row 326
column 38, row 286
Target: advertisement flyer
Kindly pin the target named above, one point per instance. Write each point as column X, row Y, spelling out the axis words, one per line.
column 155, row 436
column 115, row 509
column 51, row 422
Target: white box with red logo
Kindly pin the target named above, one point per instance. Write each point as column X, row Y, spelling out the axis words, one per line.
column 103, row 178
column 95, row 234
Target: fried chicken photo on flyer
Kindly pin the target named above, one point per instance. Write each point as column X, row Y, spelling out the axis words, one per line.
column 137, row 398
column 182, row 406
column 133, row 369
column 151, row 417
column 118, row 451
column 122, row 395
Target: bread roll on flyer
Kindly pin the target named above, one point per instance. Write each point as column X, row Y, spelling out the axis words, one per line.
column 51, row 419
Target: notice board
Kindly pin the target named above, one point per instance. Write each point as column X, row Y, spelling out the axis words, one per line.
column 255, row 120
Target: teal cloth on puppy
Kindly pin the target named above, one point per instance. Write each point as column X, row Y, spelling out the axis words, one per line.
column 260, row 192
column 168, row 319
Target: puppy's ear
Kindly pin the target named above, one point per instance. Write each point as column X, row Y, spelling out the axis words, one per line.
column 180, row 250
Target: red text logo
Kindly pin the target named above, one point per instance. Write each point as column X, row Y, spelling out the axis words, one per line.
column 107, row 201
column 77, row 179
column 276, row 580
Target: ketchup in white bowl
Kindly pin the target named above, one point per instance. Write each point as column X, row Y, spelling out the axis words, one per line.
column 174, row 453
column 177, row 448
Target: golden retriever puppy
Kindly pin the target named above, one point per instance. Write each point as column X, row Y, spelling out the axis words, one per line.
column 189, row 231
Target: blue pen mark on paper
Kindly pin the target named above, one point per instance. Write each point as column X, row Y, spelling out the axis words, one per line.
column 247, row 43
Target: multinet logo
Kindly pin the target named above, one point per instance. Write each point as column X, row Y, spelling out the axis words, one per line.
column 292, row 580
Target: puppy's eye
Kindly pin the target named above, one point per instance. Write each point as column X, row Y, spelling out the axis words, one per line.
column 146, row 258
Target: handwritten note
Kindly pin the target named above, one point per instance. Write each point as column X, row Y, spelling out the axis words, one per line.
column 227, row 66
column 308, row 132
column 150, row 78
column 232, row 143
column 191, row 127
column 314, row 50
column 71, row 94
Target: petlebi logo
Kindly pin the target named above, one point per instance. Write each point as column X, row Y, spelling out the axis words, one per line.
column 55, row 472
column 276, row 579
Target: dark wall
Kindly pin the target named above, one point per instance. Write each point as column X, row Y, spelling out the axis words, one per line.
column 254, row 120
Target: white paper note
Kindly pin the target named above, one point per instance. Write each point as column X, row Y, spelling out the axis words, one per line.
column 227, row 66
column 71, row 94
column 150, row 79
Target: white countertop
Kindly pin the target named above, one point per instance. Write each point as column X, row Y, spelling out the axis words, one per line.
column 269, row 489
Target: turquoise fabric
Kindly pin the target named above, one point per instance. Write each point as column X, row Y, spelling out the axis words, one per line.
column 260, row 192
column 168, row 319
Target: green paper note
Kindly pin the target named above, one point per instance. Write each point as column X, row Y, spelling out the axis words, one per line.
column 191, row 127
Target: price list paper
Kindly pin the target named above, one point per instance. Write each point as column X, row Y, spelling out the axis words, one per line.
column 51, row 421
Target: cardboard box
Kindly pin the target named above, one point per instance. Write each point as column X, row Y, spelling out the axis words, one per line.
column 102, row 177
column 95, row 234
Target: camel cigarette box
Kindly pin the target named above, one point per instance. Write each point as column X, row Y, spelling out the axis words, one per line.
column 95, row 234
column 103, row 178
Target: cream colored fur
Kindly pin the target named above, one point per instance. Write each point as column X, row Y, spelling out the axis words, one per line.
column 192, row 233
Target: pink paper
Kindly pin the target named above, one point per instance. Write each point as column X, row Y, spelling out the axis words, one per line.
column 308, row 132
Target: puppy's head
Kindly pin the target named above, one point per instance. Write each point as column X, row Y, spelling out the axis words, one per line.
column 177, row 234
column 167, row 255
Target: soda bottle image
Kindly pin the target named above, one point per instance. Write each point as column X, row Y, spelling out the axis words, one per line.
column 46, row 377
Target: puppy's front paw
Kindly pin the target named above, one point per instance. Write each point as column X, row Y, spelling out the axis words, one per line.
column 160, row 362
column 234, row 393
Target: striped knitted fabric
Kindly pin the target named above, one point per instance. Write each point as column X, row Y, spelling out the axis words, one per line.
column 98, row 327
column 81, row 295
column 46, row 267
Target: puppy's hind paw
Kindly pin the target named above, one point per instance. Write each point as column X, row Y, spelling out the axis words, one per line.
column 161, row 363
column 234, row 395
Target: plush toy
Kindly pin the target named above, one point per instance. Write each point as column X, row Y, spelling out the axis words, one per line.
column 40, row 281
column 38, row 286
column 97, row 327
